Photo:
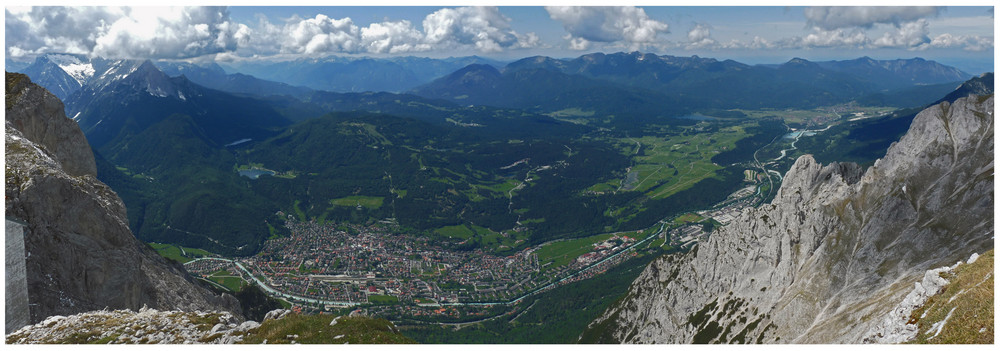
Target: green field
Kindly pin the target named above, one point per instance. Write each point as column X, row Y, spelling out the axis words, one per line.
column 485, row 238
column 383, row 299
column 502, row 189
column 657, row 243
column 463, row 231
column 370, row 131
column 229, row 280
column 456, row 231
column 690, row 157
column 285, row 304
column 571, row 112
column 179, row 254
column 133, row 175
column 667, row 165
column 827, row 114
column 369, row 202
column 298, row 211
column 688, row 218
column 563, row 252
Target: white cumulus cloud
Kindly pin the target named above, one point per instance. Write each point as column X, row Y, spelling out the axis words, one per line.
column 835, row 38
column 318, row 34
column 586, row 24
column 481, row 28
column 485, row 28
column 139, row 32
column 392, row 37
column 905, row 27
column 966, row 42
column 907, row 35
column 576, row 43
column 700, row 37
column 190, row 32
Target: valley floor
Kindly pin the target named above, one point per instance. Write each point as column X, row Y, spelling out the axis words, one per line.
column 331, row 266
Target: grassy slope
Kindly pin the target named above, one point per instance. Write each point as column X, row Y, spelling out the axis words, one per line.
column 563, row 252
column 966, row 304
column 316, row 329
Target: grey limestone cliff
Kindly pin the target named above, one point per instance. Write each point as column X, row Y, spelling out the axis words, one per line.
column 79, row 252
column 25, row 103
column 834, row 252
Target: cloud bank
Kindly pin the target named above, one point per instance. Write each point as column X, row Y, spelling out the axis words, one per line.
column 209, row 32
column 836, row 17
column 848, row 27
column 176, row 32
column 141, row 32
column 627, row 24
column 482, row 29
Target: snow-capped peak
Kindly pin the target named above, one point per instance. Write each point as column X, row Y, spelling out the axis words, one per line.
column 80, row 71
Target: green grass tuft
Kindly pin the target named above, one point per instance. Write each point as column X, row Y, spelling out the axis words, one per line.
column 968, row 298
column 316, row 329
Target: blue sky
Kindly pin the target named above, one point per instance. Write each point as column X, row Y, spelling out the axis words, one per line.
column 960, row 36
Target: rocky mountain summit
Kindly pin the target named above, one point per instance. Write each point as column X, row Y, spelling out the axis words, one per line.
column 150, row 326
column 837, row 249
column 27, row 106
column 79, row 252
column 147, row 326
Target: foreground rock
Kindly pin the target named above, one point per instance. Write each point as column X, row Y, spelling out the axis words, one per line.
column 79, row 252
column 962, row 286
column 836, row 250
column 148, row 326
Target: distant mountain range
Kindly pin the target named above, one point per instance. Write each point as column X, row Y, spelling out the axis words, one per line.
column 640, row 83
column 211, row 75
column 59, row 73
column 632, row 84
column 123, row 98
column 896, row 73
column 357, row 74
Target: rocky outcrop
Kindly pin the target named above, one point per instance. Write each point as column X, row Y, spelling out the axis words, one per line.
column 62, row 138
column 149, row 326
column 834, row 252
column 981, row 85
column 896, row 326
column 79, row 252
column 146, row 326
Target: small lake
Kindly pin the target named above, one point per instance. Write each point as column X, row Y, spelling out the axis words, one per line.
column 256, row 173
column 796, row 134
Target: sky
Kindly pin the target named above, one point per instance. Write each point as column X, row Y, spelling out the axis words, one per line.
column 962, row 36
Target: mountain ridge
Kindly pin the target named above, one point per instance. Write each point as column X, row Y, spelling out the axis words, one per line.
column 642, row 84
column 827, row 256
column 79, row 252
column 125, row 97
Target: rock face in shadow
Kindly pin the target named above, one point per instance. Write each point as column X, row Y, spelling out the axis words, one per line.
column 26, row 104
column 834, row 252
column 80, row 254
